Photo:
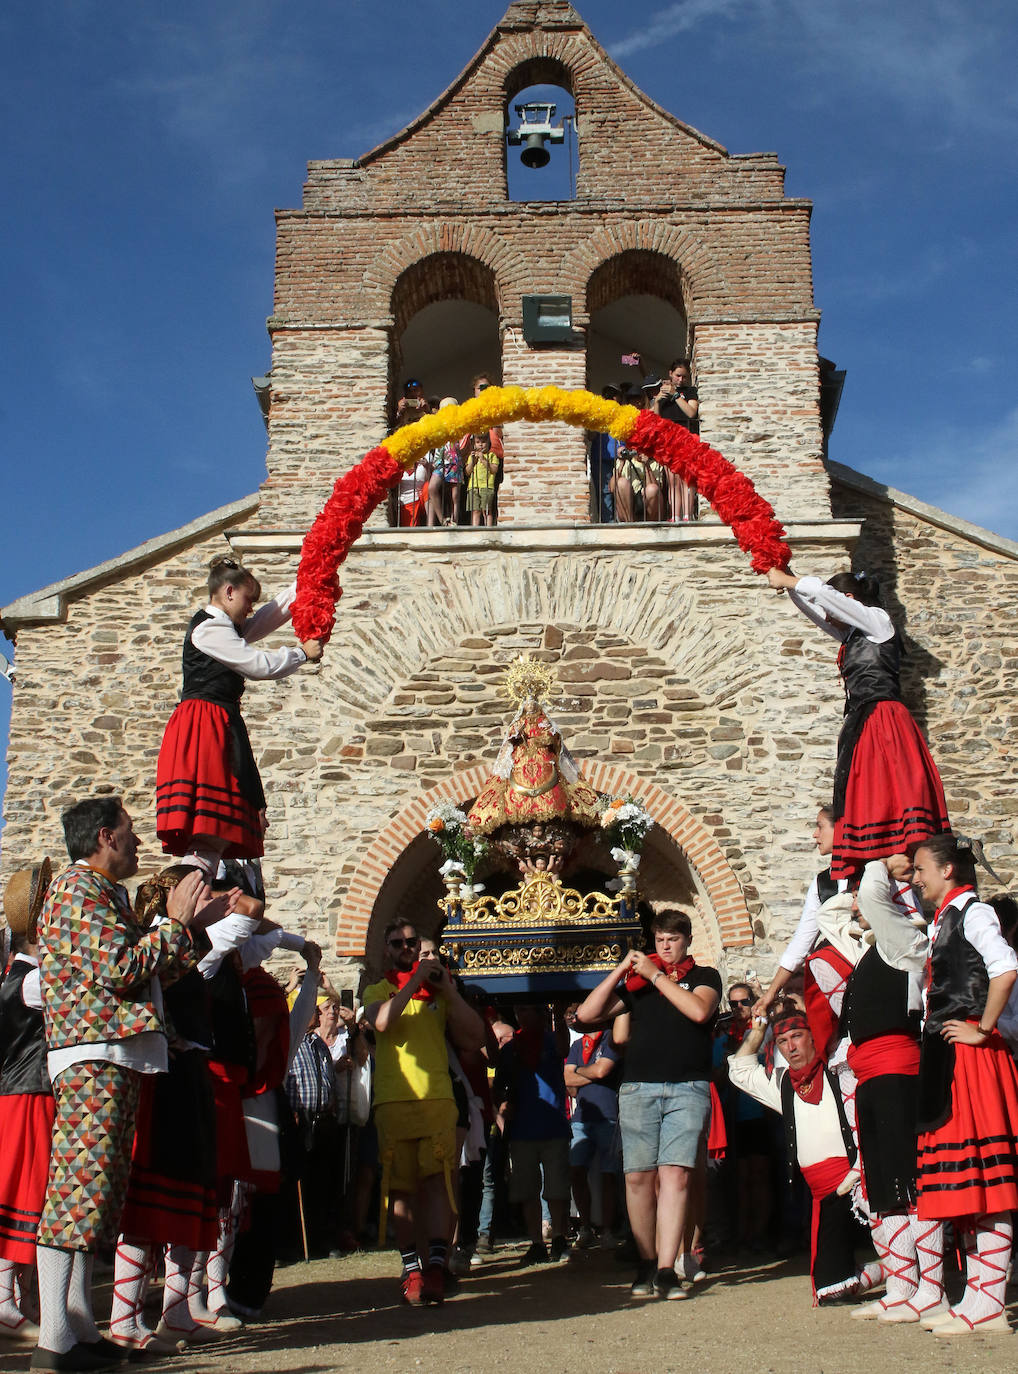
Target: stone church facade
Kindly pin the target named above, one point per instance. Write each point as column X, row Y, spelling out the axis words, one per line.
column 682, row 678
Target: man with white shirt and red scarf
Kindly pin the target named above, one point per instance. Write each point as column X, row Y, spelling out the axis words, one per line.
column 818, row 1138
column 209, row 798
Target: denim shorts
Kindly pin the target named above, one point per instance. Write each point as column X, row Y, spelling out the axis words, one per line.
column 594, row 1142
column 662, row 1123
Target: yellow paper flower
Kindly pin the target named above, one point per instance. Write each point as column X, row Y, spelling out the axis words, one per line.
column 501, row 405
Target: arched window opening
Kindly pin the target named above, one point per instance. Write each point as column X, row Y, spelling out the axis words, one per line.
column 542, row 147
column 637, row 327
column 446, row 331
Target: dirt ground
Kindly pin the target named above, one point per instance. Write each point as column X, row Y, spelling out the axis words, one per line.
column 345, row 1315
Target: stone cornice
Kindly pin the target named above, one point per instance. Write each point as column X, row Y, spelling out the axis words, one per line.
column 466, row 540
column 911, row 505
column 49, row 604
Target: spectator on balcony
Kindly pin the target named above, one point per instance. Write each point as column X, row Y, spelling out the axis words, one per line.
column 446, row 476
column 482, row 467
column 676, row 399
column 602, row 451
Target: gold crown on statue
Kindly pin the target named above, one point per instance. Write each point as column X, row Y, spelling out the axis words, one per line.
column 526, row 677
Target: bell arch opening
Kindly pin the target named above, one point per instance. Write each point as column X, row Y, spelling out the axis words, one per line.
column 541, row 147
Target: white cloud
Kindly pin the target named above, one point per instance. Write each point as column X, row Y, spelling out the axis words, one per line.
column 668, row 23
column 926, row 55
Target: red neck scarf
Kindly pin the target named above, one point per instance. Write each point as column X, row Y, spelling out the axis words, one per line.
column 738, row 1030
column 590, row 1044
column 809, row 1082
column 674, row 972
column 399, row 980
column 955, row 892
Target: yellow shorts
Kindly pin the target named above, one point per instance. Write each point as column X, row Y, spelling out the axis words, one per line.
column 416, row 1140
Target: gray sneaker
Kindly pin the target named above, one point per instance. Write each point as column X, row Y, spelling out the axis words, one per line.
column 643, row 1284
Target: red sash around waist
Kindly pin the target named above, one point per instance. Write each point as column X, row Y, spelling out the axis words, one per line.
column 717, row 1135
column 884, row 1054
column 824, row 1178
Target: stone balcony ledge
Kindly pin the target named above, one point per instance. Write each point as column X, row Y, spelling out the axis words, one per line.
column 551, row 538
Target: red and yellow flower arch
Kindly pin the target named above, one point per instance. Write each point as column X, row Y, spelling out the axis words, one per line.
column 356, row 494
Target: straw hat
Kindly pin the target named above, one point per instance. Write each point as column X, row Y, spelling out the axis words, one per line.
column 24, row 896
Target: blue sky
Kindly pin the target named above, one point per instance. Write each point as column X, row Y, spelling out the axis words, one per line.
column 145, row 146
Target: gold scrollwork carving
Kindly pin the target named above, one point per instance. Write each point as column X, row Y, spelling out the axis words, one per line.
column 524, row 958
column 540, row 901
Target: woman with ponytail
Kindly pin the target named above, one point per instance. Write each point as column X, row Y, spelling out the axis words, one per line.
column 887, row 792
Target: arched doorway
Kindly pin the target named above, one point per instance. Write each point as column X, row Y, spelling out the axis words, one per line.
column 683, row 865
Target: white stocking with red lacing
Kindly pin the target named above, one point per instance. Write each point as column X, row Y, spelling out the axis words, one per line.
column 218, row 1267
column 929, row 1244
column 899, row 1262
column 177, row 1318
column 133, row 1268
column 986, row 1258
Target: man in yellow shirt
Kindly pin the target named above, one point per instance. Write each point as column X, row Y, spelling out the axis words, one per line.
column 412, row 1009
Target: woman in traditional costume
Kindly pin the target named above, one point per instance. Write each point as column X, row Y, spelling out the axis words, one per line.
column 968, row 1085
column 887, row 792
column 26, row 1101
column 209, row 798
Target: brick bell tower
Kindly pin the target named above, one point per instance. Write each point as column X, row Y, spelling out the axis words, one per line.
column 413, row 260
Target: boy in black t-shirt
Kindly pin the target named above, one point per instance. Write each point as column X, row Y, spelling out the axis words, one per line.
column 664, row 1099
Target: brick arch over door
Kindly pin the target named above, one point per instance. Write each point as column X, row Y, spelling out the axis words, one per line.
column 472, row 241
column 717, row 886
column 699, row 279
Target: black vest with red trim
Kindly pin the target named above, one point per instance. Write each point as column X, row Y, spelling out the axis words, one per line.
column 204, row 678
column 876, row 1001
column 22, row 1039
column 959, row 981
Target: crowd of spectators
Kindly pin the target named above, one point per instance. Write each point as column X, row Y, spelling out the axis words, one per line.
column 459, row 482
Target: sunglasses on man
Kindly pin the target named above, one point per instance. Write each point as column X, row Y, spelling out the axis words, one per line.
column 397, row 942
column 739, row 1002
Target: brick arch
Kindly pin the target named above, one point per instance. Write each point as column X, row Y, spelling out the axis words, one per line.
column 472, row 241
column 442, row 277
column 697, row 275
column 718, row 890
column 638, row 271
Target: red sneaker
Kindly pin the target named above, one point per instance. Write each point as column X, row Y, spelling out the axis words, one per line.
column 413, row 1288
column 434, row 1284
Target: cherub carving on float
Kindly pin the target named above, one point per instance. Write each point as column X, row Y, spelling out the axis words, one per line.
column 534, row 806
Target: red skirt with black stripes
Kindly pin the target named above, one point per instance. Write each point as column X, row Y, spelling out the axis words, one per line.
column 26, row 1131
column 969, row 1166
column 207, row 782
column 893, row 797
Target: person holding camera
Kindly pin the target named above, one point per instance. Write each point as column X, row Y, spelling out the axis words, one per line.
column 676, row 399
column 410, row 1010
